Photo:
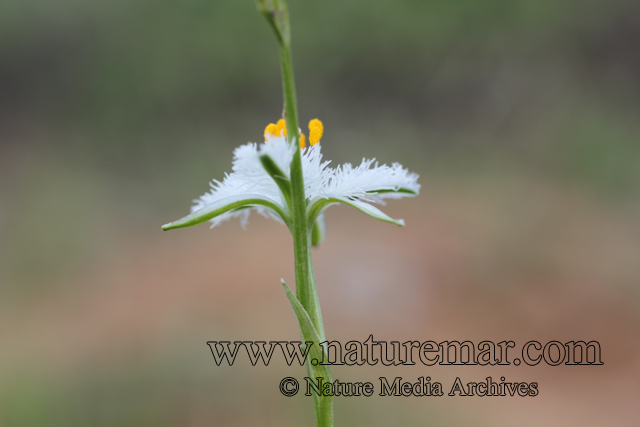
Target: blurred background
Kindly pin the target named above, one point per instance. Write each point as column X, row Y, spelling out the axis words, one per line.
column 521, row 117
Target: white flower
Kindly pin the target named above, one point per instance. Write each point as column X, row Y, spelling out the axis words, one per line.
column 252, row 183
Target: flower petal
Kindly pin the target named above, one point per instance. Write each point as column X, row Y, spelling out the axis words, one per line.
column 225, row 205
column 371, row 181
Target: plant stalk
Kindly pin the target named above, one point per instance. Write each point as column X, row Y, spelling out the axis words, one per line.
column 306, row 291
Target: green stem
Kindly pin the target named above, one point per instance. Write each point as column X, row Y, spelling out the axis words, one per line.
column 289, row 88
column 306, row 291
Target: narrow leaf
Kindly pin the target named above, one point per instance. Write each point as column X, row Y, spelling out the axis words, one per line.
column 309, row 333
column 397, row 190
column 226, row 205
column 319, row 232
column 279, row 177
column 319, row 205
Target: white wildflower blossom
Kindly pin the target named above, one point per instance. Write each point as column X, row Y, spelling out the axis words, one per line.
column 250, row 186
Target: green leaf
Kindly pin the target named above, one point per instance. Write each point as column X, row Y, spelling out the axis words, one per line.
column 309, row 333
column 397, row 190
column 279, row 177
column 278, row 18
column 319, row 232
column 225, row 205
column 320, row 204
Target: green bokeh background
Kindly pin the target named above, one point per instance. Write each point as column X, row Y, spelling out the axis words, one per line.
column 522, row 118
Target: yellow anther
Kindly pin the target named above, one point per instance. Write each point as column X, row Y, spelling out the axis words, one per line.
column 282, row 127
column 272, row 130
column 315, row 123
column 315, row 131
column 303, row 142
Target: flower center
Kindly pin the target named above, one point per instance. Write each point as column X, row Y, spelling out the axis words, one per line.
column 316, row 129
